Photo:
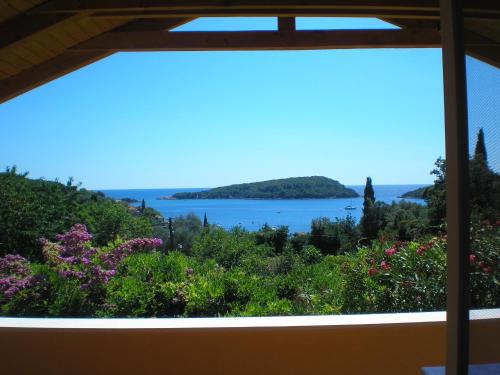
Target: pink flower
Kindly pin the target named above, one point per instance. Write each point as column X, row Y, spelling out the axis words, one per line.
column 423, row 248
column 472, row 259
column 385, row 266
column 487, row 269
column 372, row 271
column 390, row 252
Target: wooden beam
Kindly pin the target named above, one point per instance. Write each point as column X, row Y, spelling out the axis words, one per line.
column 71, row 61
column 457, row 188
column 26, row 25
column 477, row 46
column 274, row 12
column 371, row 7
column 261, row 40
column 286, row 24
column 487, row 54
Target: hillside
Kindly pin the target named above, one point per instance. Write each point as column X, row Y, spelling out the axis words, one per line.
column 417, row 193
column 35, row 208
column 287, row 188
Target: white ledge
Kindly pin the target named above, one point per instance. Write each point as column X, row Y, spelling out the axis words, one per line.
column 257, row 322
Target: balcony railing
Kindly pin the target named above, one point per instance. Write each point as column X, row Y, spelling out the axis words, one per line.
column 342, row 344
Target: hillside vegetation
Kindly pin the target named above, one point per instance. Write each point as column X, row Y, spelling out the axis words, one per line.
column 287, row 188
column 417, row 193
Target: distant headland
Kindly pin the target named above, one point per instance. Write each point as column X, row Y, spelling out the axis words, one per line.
column 315, row 187
column 416, row 194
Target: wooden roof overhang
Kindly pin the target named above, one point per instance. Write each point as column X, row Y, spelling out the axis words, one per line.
column 41, row 40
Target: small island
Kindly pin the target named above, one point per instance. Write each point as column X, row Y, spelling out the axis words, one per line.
column 416, row 194
column 315, row 187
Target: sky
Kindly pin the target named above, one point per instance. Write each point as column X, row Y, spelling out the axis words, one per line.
column 206, row 119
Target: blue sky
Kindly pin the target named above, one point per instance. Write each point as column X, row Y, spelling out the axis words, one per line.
column 203, row 119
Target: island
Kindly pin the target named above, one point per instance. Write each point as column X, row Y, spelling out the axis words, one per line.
column 128, row 200
column 314, row 187
column 416, row 194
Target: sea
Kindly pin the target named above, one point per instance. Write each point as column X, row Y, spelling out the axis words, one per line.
column 252, row 214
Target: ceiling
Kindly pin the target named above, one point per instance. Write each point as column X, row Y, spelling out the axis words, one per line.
column 42, row 40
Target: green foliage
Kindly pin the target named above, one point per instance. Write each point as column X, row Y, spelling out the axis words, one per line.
column 435, row 196
column 31, row 209
column 405, row 221
column 274, row 237
column 480, row 154
column 226, row 248
column 419, row 193
column 148, row 284
column 371, row 221
column 231, row 275
column 287, row 188
column 396, row 278
column 485, row 265
column 335, row 237
column 186, row 229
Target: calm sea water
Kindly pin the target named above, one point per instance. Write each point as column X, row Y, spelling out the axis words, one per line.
column 252, row 214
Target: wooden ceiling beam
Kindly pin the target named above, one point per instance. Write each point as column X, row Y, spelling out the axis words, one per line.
column 370, row 6
column 477, row 46
column 26, row 25
column 273, row 12
column 70, row 61
column 261, row 40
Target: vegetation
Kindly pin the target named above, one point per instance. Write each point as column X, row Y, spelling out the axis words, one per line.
column 417, row 193
column 32, row 209
column 288, row 188
column 69, row 252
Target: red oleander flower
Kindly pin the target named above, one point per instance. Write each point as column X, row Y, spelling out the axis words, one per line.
column 385, row 266
column 372, row 271
column 472, row 259
column 390, row 252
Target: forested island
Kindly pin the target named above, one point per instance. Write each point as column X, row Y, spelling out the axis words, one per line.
column 287, row 188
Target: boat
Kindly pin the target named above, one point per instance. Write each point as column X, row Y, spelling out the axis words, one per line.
column 349, row 207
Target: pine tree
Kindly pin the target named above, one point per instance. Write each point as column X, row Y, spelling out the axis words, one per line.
column 480, row 154
column 205, row 221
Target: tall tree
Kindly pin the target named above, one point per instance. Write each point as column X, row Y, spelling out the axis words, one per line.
column 369, row 192
column 143, row 205
column 480, row 154
column 369, row 220
column 205, row 221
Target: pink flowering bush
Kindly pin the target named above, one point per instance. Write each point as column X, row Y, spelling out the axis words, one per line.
column 15, row 275
column 396, row 277
column 74, row 257
column 72, row 281
column 484, row 262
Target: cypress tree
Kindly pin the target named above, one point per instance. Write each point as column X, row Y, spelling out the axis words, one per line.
column 480, row 151
column 205, row 221
column 369, row 219
column 143, row 205
column 369, row 193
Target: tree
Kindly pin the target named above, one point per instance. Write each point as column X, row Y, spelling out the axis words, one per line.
column 205, row 221
column 143, row 205
column 369, row 227
column 480, row 154
column 369, row 193
column 484, row 184
column 435, row 196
